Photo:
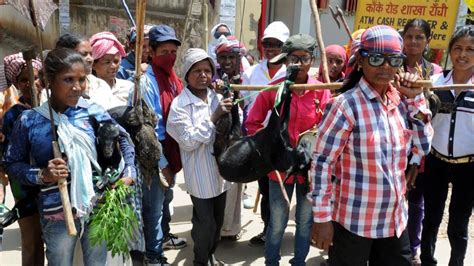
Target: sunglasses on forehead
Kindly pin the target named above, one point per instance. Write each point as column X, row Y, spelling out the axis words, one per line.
column 378, row 59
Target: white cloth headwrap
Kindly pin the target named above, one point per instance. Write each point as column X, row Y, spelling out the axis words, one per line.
column 81, row 152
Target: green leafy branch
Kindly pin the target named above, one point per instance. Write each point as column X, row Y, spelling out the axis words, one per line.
column 114, row 221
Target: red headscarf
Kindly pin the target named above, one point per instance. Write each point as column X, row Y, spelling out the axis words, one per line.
column 334, row 49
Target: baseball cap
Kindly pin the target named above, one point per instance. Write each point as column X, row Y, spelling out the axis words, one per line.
column 163, row 33
column 277, row 30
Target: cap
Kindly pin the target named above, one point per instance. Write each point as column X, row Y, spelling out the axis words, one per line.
column 277, row 30
column 296, row 42
column 163, row 33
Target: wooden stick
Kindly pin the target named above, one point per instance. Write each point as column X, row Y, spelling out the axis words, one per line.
column 62, row 183
column 140, row 21
column 282, row 187
column 319, row 37
column 257, row 200
column 337, row 85
column 28, row 56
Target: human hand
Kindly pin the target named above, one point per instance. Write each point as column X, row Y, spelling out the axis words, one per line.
column 404, row 83
column 223, row 108
column 411, row 175
column 56, row 170
column 126, row 180
column 321, row 235
column 169, row 175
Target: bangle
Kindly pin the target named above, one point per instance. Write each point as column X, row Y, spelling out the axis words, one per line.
column 40, row 177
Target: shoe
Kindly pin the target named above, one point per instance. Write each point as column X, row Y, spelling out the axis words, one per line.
column 215, row 262
column 232, row 237
column 173, row 242
column 248, row 202
column 161, row 261
column 415, row 260
column 258, row 240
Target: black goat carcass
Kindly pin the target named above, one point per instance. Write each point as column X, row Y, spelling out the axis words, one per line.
column 139, row 121
column 246, row 159
column 107, row 143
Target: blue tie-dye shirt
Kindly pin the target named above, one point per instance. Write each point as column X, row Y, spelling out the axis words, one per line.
column 30, row 149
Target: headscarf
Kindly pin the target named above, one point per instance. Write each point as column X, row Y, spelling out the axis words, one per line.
column 354, row 42
column 14, row 64
column 230, row 44
column 381, row 39
column 214, row 29
column 334, row 49
column 104, row 43
column 212, row 45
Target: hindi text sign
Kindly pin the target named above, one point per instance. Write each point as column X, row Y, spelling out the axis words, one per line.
column 440, row 14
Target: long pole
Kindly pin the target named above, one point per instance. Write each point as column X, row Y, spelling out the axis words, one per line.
column 337, row 85
column 62, row 183
column 29, row 55
column 140, row 20
column 319, row 37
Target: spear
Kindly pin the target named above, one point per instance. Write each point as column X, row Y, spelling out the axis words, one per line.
column 62, row 183
column 140, row 14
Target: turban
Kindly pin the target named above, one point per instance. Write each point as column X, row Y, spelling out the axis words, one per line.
column 104, row 43
column 14, row 64
column 381, row 39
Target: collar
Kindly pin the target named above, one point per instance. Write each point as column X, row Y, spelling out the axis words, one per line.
column 194, row 100
column 392, row 94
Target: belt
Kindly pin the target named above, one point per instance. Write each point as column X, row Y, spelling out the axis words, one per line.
column 464, row 159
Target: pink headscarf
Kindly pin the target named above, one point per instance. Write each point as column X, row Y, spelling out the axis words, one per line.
column 104, row 43
column 334, row 49
column 14, row 64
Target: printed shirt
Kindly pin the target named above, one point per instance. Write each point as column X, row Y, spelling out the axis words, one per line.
column 31, row 142
column 454, row 123
column 259, row 75
column 189, row 123
column 303, row 114
column 365, row 144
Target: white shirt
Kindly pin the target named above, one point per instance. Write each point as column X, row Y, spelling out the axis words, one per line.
column 121, row 90
column 258, row 75
column 189, row 123
column 460, row 136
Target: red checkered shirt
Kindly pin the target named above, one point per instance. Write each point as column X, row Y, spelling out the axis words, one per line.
column 365, row 143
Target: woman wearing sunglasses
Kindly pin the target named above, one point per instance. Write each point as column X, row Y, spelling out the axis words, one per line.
column 416, row 38
column 305, row 113
column 452, row 155
column 364, row 141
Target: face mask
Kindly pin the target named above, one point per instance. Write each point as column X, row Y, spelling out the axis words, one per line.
column 164, row 62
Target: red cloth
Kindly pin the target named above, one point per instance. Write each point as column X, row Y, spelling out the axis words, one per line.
column 303, row 115
column 170, row 86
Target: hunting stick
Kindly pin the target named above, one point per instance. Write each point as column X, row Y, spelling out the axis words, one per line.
column 282, row 187
column 319, row 37
column 206, row 27
column 257, row 200
column 140, row 14
column 337, row 85
column 129, row 15
column 62, row 183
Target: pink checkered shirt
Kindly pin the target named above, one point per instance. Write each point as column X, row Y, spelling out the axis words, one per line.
column 365, row 144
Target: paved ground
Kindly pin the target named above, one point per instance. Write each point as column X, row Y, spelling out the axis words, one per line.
column 232, row 253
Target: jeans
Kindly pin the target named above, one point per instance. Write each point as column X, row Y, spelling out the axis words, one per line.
column 264, row 208
column 60, row 246
column 415, row 214
column 153, row 198
column 208, row 216
column 438, row 174
column 166, row 219
column 279, row 212
column 354, row 250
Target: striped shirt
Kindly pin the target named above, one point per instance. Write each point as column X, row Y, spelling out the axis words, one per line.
column 189, row 123
column 365, row 144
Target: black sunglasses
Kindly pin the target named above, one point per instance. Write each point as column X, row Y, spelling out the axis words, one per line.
column 377, row 59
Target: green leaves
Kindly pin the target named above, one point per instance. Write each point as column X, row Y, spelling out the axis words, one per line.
column 114, row 221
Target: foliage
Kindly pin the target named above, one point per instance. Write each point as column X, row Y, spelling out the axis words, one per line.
column 114, row 221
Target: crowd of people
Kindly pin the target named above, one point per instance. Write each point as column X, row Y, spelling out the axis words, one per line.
column 382, row 161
